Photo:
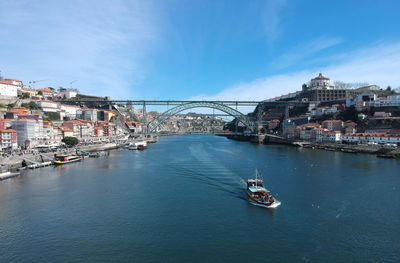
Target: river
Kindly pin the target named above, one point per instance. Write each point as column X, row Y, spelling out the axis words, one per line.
column 183, row 200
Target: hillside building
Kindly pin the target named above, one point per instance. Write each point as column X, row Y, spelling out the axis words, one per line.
column 8, row 139
column 67, row 94
column 25, row 129
column 10, row 87
column 320, row 89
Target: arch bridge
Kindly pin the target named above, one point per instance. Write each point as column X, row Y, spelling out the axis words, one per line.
column 159, row 120
column 228, row 107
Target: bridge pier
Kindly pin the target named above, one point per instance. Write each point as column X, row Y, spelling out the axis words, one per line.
column 144, row 119
column 286, row 111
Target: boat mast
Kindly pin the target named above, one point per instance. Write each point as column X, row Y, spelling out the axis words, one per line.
column 256, row 177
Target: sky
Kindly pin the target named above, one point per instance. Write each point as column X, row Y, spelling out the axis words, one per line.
column 188, row 49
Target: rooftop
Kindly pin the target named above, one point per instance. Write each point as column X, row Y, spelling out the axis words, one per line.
column 9, row 130
column 320, row 76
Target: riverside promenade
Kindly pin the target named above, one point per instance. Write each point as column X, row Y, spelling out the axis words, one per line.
column 14, row 162
column 379, row 150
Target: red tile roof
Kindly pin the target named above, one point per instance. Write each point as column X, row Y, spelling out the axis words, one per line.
column 320, row 76
column 9, row 130
column 7, row 82
column 45, row 90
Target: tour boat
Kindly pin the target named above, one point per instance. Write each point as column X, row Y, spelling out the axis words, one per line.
column 63, row 159
column 259, row 195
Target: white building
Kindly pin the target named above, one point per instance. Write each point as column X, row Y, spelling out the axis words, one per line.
column 49, row 106
column 8, row 139
column 67, row 94
column 70, row 111
column 333, row 137
column 389, row 101
column 316, row 112
column 9, row 88
column 368, row 88
column 380, row 138
column 320, row 82
column 361, row 100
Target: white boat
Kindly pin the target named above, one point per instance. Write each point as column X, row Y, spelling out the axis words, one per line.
column 259, row 195
column 7, row 175
column 63, row 159
column 139, row 145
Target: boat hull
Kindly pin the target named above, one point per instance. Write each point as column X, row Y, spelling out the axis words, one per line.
column 257, row 202
column 7, row 175
column 65, row 162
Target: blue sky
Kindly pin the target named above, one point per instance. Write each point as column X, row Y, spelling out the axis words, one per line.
column 248, row 50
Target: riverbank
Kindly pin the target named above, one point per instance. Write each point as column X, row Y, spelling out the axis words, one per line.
column 378, row 150
column 15, row 162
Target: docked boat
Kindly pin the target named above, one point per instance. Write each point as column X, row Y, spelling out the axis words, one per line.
column 63, row 159
column 387, row 156
column 259, row 195
column 141, row 145
column 7, row 175
column 346, row 150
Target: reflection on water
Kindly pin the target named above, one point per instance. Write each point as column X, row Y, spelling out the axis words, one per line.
column 183, row 199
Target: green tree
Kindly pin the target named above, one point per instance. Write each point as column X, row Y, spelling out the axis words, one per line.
column 31, row 105
column 54, row 116
column 263, row 130
column 349, row 114
column 26, row 95
column 70, row 141
column 10, row 106
column 40, row 93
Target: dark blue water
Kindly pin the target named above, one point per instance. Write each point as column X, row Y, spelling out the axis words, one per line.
column 183, row 200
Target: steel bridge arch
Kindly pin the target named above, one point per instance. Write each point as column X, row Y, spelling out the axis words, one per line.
column 153, row 124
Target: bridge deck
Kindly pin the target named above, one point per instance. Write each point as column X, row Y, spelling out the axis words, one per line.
column 180, row 102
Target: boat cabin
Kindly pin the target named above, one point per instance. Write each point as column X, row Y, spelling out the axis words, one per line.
column 64, row 158
column 255, row 182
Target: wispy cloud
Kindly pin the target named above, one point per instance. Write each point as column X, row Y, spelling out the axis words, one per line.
column 100, row 44
column 375, row 65
column 272, row 18
column 305, row 50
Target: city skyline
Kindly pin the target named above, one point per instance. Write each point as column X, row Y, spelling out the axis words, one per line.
column 197, row 49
